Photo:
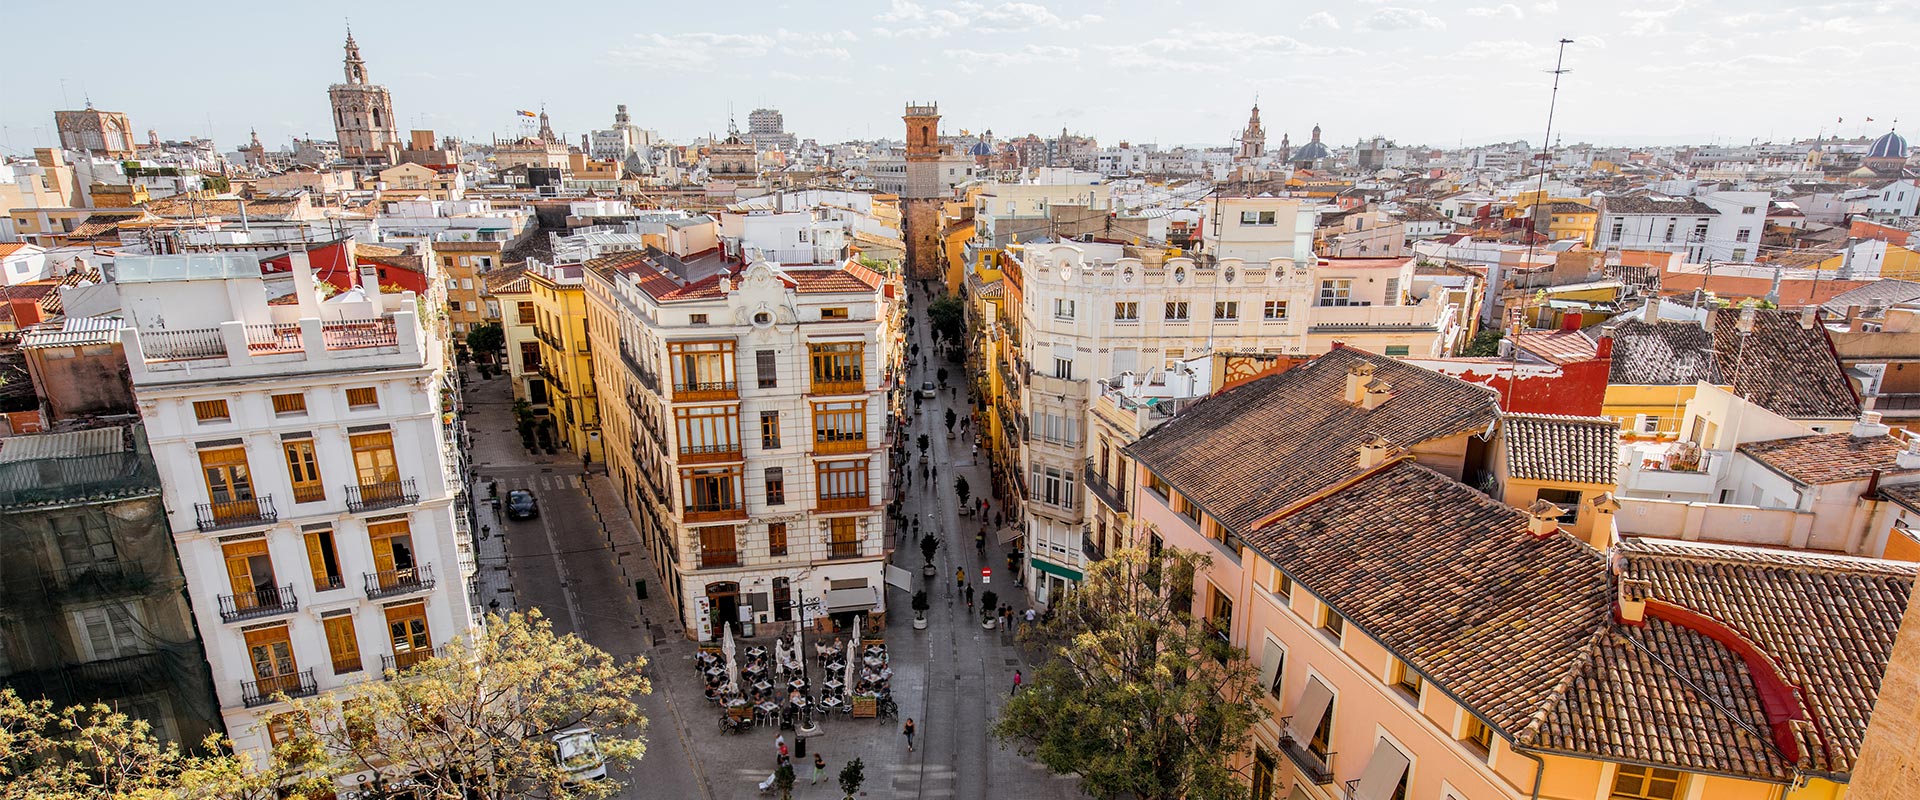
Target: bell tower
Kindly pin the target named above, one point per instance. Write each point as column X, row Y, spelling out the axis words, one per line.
column 921, row 201
column 363, row 120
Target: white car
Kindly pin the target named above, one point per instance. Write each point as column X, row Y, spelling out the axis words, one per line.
column 926, row 389
column 578, row 751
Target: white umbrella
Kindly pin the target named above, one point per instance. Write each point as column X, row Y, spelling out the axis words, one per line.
column 780, row 654
column 800, row 653
column 856, row 631
column 733, row 666
column 853, row 655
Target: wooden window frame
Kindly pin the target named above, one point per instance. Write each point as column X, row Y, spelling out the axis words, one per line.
column 288, row 405
column 702, row 370
column 363, row 397
column 837, row 367
column 776, row 539
column 372, row 471
column 840, row 427
column 714, row 556
column 712, row 494
column 323, row 560
column 303, row 470
column 843, row 537
column 835, row 485
column 776, row 486
column 412, row 645
column 343, row 646
column 707, row 433
column 211, row 411
column 1645, row 779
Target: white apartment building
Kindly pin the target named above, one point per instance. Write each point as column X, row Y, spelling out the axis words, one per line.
column 1657, row 223
column 309, row 478
column 746, row 423
column 1090, row 311
column 1734, row 233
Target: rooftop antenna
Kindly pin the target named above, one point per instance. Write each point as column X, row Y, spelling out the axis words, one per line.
column 1533, row 226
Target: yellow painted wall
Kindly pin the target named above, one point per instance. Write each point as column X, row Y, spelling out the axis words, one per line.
column 1900, row 263
column 1669, row 403
column 575, row 407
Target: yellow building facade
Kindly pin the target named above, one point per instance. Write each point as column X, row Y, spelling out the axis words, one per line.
column 566, row 357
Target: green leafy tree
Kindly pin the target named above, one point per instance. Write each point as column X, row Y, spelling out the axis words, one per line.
column 1138, row 697
column 1485, row 344
column 479, row 716
column 91, row 752
column 783, row 779
column 961, row 489
column 951, row 417
column 851, row 777
column 929, row 544
column 922, row 443
column 946, row 317
column 486, row 339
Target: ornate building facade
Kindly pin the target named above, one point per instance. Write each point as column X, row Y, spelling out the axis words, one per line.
column 363, row 115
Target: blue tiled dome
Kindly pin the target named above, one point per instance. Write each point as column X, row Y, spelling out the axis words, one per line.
column 1892, row 145
column 980, row 148
column 1312, row 151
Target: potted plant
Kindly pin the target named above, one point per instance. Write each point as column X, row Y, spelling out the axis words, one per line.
column 962, row 491
column 783, row 780
column 928, row 546
column 989, row 603
column 920, row 610
column 851, row 777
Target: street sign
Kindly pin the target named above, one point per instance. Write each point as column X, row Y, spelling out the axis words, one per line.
column 986, row 575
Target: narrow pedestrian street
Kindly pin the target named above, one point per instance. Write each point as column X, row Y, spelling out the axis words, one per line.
column 579, row 561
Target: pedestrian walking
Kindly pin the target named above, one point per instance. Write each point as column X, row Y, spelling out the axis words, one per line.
column 781, row 744
column 1016, row 682
column 819, row 767
column 908, row 731
column 1030, row 615
column 969, row 597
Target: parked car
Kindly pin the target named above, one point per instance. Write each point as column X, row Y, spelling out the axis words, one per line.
column 522, row 505
column 926, row 389
column 578, row 751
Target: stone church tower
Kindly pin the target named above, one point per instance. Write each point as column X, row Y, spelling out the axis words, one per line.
column 1253, row 140
column 921, row 203
column 363, row 115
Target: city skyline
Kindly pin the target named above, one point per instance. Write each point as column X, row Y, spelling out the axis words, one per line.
column 684, row 75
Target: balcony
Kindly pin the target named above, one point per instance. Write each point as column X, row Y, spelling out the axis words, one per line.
column 640, row 373
column 235, row 514
column 708, row 453
column 267, row 690
column 550, row 340
column 705, row 390
column 1316, row 769
column 396, row 582
column 1355, row 317
column 847, row 444
column 714, row 559
column 843, row 502
column 714, row 512
column 401, row 662
column 855, row 384
column 840, row 550
column 304, row 339
column 385, row 494
column 258, row 604
column 1106, row 492
column 309, row 493
column 99, row 579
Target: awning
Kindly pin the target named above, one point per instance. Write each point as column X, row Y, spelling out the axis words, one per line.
column 839, row 600
column 1008, row 535
column 1384, row 771
column 1055, row 569
column 1314, row 701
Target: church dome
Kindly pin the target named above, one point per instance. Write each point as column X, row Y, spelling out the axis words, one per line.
column 980, row 148
column 1312, row 151
column 1891, row 145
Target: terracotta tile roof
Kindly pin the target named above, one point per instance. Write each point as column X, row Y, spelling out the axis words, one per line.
column 839, row 280
column 1885, row 293
column 9, row 248
column 1906, row 494
column 1790, row 370
column 376, row 251
column 184, row 207
column 1661, row 354
column 1559, row 347
column 1569, row 207
column 506, row 280
column 1294, row 434
column 1828, row 457
column 1548, row 447
column 1657, row 204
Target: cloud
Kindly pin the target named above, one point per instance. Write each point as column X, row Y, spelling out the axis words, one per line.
column 1320, row 20
column 835, row 53
column 914, row 21
column 818, row 37
column 687, row 51
column 908, row 19
column 1546, row 7
column 1651, row 21
column 1397, row 18
column 966, row 60
column 1507, row 10
column 1507, row 49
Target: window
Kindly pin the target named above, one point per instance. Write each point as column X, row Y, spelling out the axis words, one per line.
column 1274, row 310
column 1220, row 614
column 1333, row 624
column 1063, row 368
column 776, row 486
column 777, row 539
column 843, row 537
column 1742, row 235
column 838, row 367
column 84, row 538
column 696, row 319
column 840, row 427
column 770, row 430
column 1619, row 228
column 1740, row 254
column 1336, row 292
column 1645, row 783
column 323, row 560
column 210, row 410
column 1186, row 508
column 1258, row 218
column 373, row 460
column 1063, row 308
column 1568, row 499
column 712, row 432
column 407, row 631
column 1747, row 210
column 1478, row 735
column 1126, row 312
column 718, row 547
column 1649, row 424
column 394, row 558
column 701, row 370
column 711, row 491
column 835, row 312
column 766, row 369
column 271, row 653
column 110, row 632
column 1056, row 487
column 289, row 404
column 281, row 728
column 523, row 311
column 228, row 481
column 1397, row 350
column 1176, row 311
column 1406, row 680
column 342, row 644
column 303, row 469
column 1700, row 232
column 363, row 397
column 1264, row 767
column 1158, row 486
column 842, row 485
column 1226, row 309
column 1281, row 585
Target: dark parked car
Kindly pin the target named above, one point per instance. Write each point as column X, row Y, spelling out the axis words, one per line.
column 521, row 505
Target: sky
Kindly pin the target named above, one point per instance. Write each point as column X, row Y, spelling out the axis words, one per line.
column 1431, row 72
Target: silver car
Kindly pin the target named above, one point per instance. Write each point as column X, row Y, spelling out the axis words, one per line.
column 926, row 389
column 578, row 751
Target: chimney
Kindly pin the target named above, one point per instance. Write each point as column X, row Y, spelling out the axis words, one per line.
column 1570, row 322
column 1809, row 316
column 1603, row 349
column 1650, row 313
column 1748, row 315
column 1910, row 457
column 1358, row 376
column 1544, row 518
column 1377, row 450
column 1378, row 392
column 1869, row 426
column 1630, row 601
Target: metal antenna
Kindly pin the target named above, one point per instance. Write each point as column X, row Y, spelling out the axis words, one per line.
column 1533, row 228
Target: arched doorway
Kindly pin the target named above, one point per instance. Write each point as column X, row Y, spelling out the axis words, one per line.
column 723, row 606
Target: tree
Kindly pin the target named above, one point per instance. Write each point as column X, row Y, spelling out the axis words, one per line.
column 479, row 716
column 929, row 544
column 961, row 489
column 783, row 779
column 1139, row 698
column 951, row 417
column 922, row 443
column 486, row 339
column 851, row 776
column 90, row 752
column 1485, row 344
column 942, row 375
column 946, row 317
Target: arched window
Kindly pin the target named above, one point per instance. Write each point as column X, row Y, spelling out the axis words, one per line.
column 926, row 135
column 376, row 118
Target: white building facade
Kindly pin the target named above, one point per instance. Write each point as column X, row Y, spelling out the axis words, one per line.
column 310, row 477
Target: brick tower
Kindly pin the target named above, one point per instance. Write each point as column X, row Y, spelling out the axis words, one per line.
column 921, row 205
